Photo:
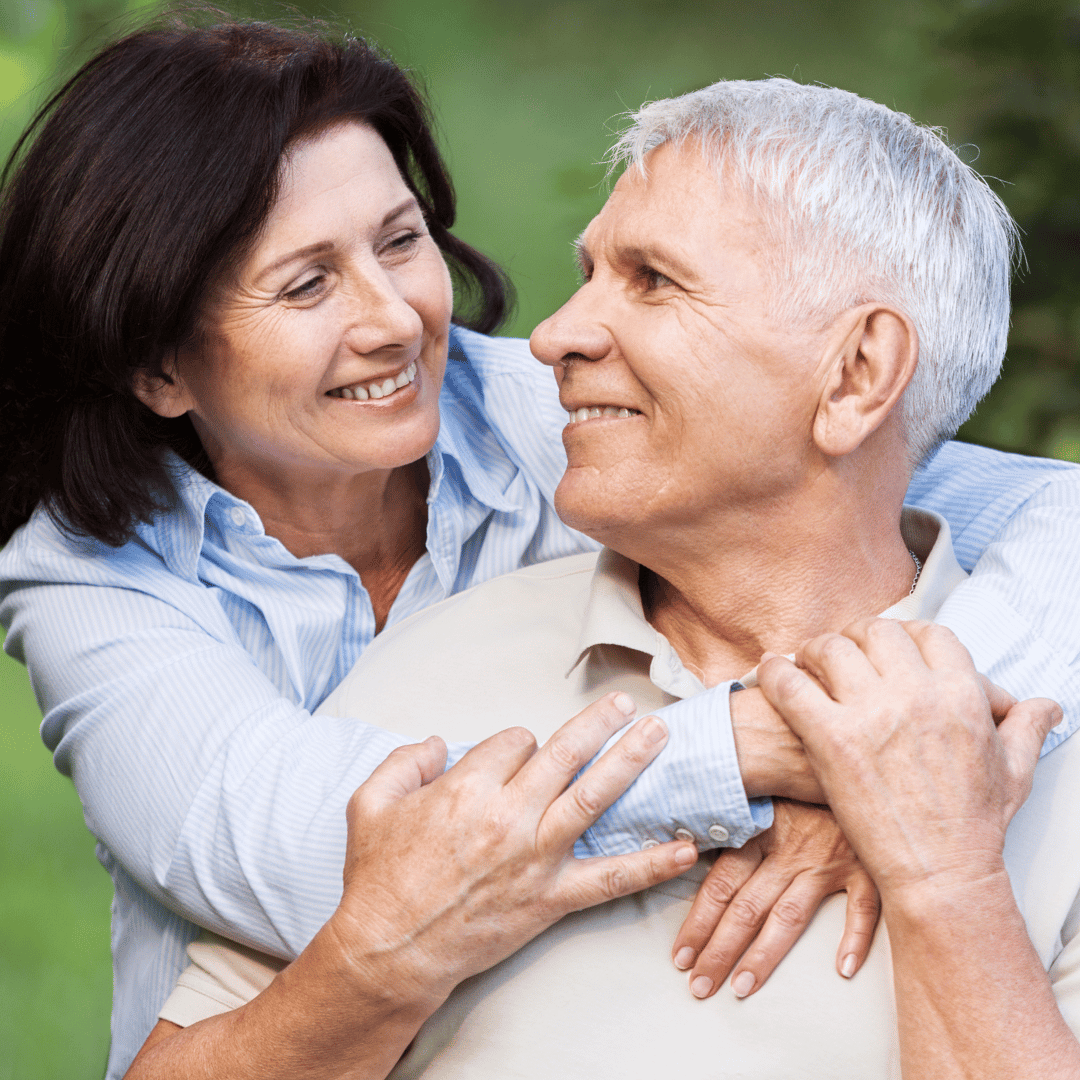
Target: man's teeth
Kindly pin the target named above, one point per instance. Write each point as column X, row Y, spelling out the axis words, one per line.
column 379, row 389
column 594, row 411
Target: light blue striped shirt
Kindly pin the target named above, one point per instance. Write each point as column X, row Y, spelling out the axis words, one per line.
column 178, row 674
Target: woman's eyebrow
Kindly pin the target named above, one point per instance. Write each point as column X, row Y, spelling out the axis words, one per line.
column 323, row 246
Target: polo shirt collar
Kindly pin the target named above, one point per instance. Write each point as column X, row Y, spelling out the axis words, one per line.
column 615, row 616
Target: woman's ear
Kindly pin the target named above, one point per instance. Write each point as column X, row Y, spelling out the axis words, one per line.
column 870, row 359
column 163, row 394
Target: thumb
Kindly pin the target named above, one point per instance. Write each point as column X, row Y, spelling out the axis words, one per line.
column 1000, row 701
column 1022, row 733
column 798, row 698
column 405, row 770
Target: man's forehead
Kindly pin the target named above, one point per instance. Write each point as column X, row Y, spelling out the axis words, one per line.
column 677, row 212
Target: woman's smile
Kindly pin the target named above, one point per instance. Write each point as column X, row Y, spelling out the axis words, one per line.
column 381, row 388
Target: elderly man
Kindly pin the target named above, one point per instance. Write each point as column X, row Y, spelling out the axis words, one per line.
column 792, row 297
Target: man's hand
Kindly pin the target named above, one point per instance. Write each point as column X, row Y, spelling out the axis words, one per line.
column 899, row 729
column 757, row 900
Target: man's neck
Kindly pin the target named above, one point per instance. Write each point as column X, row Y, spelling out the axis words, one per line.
column 725, row 594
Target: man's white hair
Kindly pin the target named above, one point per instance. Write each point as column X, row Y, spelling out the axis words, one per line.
column 862, row 204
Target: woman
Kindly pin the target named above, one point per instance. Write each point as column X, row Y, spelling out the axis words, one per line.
column 225, row 467
column 213, row 519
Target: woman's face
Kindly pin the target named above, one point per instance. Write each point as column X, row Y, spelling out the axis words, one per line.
column 324, row 356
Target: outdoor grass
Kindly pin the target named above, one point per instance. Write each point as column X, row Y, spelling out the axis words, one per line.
column 55, row 976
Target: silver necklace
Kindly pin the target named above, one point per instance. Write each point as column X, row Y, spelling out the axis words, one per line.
column 918, row 569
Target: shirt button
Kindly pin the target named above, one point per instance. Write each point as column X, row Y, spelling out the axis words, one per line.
column 683, row 834
column 646, row 844
column 238, row 516
column 719, row 833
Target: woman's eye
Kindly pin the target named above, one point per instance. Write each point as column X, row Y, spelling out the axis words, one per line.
column 309, row 288
column 403, row 242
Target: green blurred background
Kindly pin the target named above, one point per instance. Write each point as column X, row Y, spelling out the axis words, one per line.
column 528, row 94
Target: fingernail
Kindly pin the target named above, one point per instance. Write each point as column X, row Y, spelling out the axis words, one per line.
column 847, row 968
column 701, row 986
column 767, row 656
column 743, row 983
column 624, row 703
column 685, row 957
column 653, row 729
column 686, row 856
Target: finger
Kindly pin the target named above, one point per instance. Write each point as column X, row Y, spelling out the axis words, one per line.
column 600, row 785
column 498, row 759
column 573, row 746
column 404, row 770
column 888, row 646
column 838, row 664
column 731, row 871
column 1022, row 734
column 1001, row 701
column 799, row 699
column 786, row 916
column 941, row 649
column 586, row 882
column 860, row 922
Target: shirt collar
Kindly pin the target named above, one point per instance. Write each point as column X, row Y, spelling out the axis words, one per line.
column 614, row 614
column 488, row 471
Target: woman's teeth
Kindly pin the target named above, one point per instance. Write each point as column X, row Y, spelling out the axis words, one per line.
column 595, row 411
column 378, row 389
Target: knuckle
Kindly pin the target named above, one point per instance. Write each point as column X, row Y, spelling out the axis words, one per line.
column 717, row 891
column 790, row 914
column 565, row 753
column 615, row 882
column 832, row 647
column 519, row 736
column 864, row 904
column 587, row 800
column 747, row 911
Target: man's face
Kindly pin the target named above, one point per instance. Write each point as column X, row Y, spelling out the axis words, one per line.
column 672, row 327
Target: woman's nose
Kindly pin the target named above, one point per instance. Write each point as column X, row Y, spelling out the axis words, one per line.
column 574, row 332
column 383, row 319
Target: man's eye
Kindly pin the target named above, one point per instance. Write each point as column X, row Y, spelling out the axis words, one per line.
column 653, row 279
column 309, row 288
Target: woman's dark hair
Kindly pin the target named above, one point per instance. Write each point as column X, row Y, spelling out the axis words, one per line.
column 134, row 189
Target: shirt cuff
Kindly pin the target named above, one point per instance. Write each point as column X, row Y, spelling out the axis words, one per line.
column 692, row 791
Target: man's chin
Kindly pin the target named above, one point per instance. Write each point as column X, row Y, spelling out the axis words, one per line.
column 588, row 508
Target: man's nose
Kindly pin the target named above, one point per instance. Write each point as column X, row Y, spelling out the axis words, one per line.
column 574, row 332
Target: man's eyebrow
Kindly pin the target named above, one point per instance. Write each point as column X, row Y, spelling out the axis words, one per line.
column 646, row 255
column 323, row 246
column 663, row 260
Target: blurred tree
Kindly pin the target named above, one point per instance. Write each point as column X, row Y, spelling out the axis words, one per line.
column 1020, row 65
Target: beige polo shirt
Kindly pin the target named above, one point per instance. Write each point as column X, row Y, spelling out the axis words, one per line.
column 597, row 994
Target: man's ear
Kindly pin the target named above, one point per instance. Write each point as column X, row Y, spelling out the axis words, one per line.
column 870, row 359
column 163, row 394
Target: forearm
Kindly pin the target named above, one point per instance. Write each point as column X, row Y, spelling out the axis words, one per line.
column 322, row 1018
column 972, row 998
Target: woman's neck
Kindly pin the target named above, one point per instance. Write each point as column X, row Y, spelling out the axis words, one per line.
column 376, row 522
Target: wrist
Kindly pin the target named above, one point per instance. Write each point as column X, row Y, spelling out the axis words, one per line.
column 938, row 903
column 386, row 979
column 772, row 760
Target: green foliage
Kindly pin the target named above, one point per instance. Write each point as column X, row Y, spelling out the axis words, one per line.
column 528, row 94
column 1023, row 63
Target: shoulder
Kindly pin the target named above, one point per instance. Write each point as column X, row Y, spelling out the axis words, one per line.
column 505, row 388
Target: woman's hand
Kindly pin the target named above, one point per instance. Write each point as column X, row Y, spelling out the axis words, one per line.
column 756, row 901
column 448, row 873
